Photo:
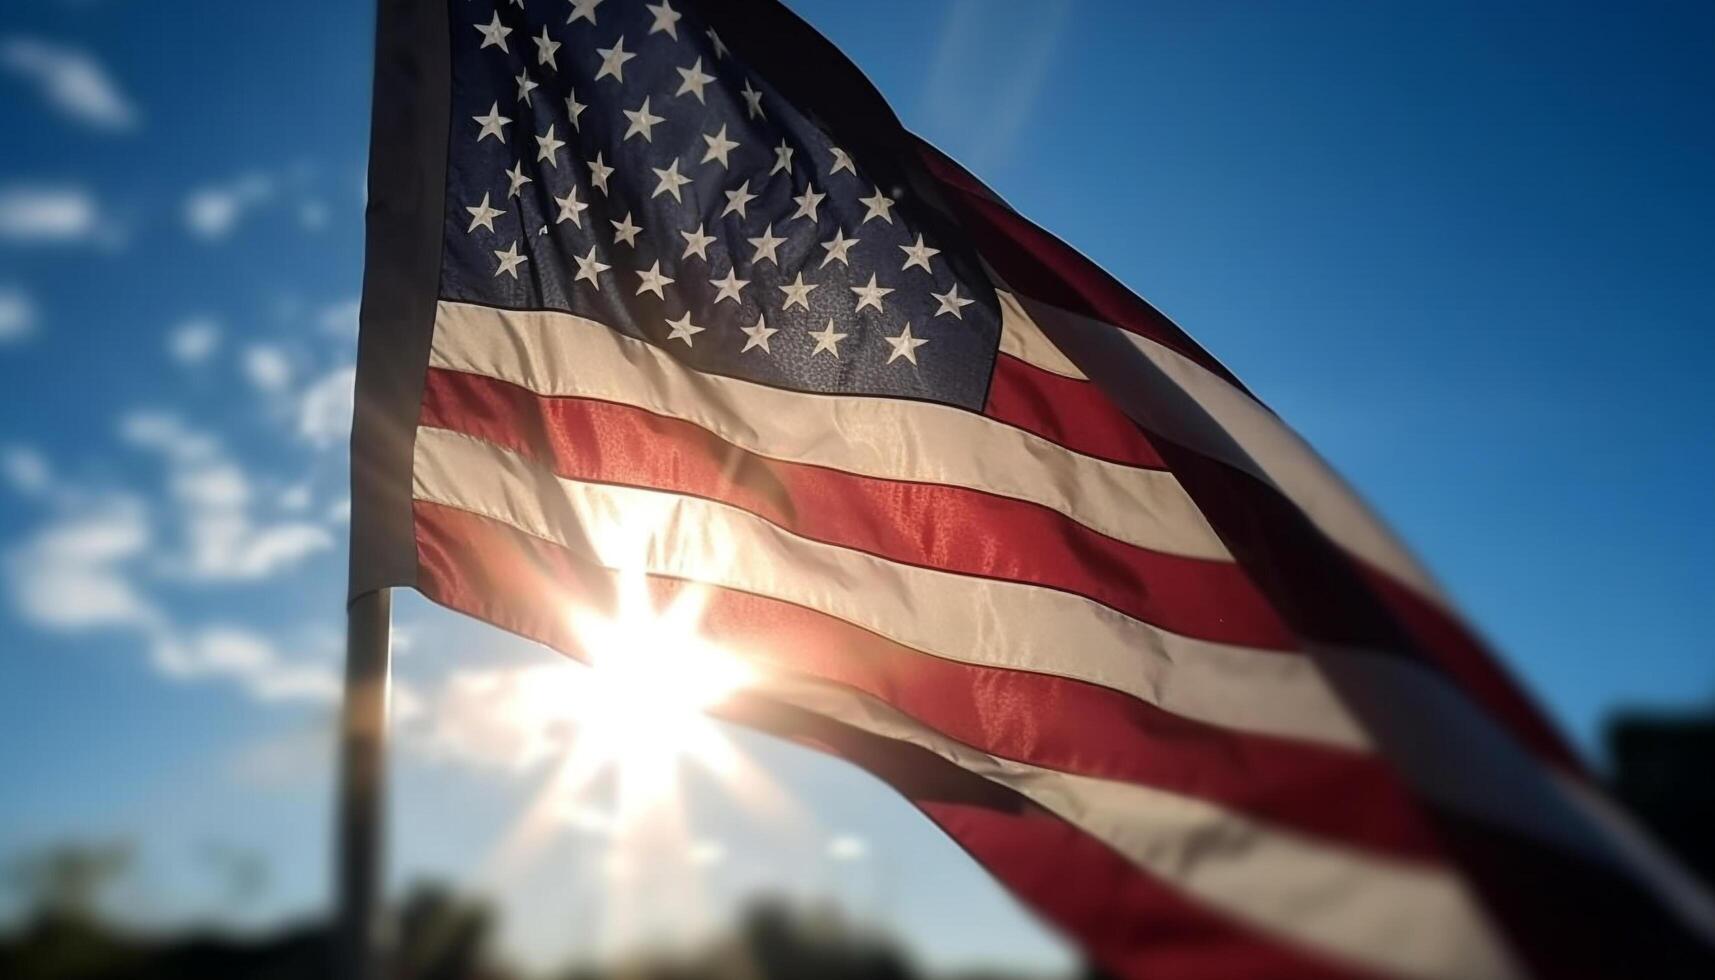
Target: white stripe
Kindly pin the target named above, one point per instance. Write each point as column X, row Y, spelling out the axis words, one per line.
column 887, row 438
column 1403, row 919
column 1023, row 339
column 1229, row 425
column 957, row 617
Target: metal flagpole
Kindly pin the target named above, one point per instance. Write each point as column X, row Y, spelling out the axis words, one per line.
column 360, row 932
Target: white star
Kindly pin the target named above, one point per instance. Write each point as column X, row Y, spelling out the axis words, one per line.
column 841, row 162
column 547, row 147
column 599, row 172
column 613, row 61
column 482, row 215
column 510, row 260
column 765, row 246
column 880, row 206
column 494, row 124
column 736, row 200
column 837, row 247
column 729, row 287
column 715, row 39
column 782, row 158
column 625, row 231
column 951, row 303
column 694, row 80
column 918, row 255
column 651, row 280
column 516, row 179
column 545, row 48
column 871, row 294
column 797, row 291
column 584, row 9
column 752, row 100
column 697, row 243
column 642, row 122
column 666, row 19
column 671, row 181
column 807, row 203
column 494, row 35
column 682, row 328
column 719, row 146
column 525, row 87
column 589, row 268
column 574, row 108
column 904, row 345
column 571, row 209
column 827, row 340
column 757, row 335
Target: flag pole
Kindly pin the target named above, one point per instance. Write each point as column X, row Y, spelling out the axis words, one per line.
column 360, row 934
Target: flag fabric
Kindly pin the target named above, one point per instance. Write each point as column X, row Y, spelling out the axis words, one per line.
column 998, row 530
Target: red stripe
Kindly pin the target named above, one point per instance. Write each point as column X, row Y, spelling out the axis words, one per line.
column 922, row 524
column 1039, row 265
column 1325, row 593
column 1067, row 411
column 502, row 575
column 1133, row 925
column 1326, row 596
column 1570, row 919
column 1453, row 648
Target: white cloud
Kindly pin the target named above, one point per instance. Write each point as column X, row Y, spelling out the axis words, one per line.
column 81, row 572
column 324, row 409
column 340, row 318
column 267, row 367
column 165, row 434
column 73, row 574
column 193, row 341
column 250, row 661
column 26, row 471
column 72, row 81
column 313, row 215
column 212, row 212
column 848, row 847
column 49, row 215
column 296, row 497
column 17, row 314
column 493, row 718
column 220, row 538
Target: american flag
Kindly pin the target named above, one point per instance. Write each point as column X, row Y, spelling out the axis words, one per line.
column 1000, row 531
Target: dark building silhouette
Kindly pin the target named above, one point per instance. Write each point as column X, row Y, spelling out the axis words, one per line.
column 1664, row 771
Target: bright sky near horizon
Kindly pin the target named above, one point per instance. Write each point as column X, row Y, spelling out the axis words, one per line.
column 1465, row 250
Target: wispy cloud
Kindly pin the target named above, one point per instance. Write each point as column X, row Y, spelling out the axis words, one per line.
column 194, row 340
column 17, row 314
column 983, row 110
column 47, row 215
column 70, row 80
column 324, row 408
column 25, row 470
column 221, row 538
column 267, row 368
column 251, row 661
column 88, row 568
column 74, row 574
column 212, row 212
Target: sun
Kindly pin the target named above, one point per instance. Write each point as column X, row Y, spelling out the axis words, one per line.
column 638, row 710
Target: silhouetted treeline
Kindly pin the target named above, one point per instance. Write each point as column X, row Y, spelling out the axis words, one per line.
column 1661, row 770
column 444, row 937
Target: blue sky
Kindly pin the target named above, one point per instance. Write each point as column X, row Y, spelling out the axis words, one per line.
column 1466, row 251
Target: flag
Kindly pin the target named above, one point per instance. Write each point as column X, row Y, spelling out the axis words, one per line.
column 999, row 531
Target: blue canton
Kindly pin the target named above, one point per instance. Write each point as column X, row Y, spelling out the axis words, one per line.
column 623, row 166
